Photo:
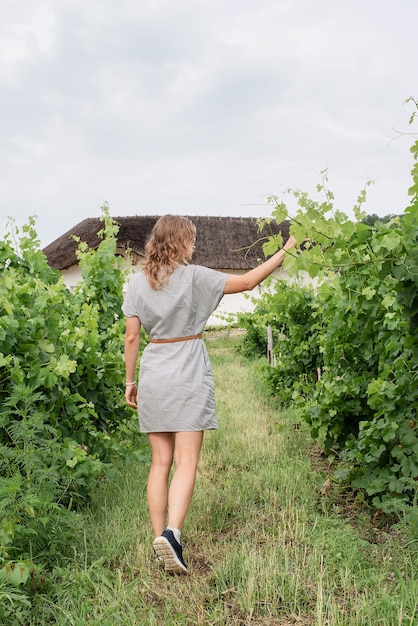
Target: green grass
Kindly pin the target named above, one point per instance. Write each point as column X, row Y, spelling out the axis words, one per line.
column 263, row 545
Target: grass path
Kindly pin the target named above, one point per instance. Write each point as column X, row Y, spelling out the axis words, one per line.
column 264, row 548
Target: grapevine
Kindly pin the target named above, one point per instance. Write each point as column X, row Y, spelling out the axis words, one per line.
column 362, row 337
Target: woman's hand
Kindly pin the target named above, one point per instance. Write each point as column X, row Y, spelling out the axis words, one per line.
column 290, row 243
column 130, row 396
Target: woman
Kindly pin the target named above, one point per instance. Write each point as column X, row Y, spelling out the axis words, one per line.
column 173, row 300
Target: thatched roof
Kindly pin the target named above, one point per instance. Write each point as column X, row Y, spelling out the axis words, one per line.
column 232, row 243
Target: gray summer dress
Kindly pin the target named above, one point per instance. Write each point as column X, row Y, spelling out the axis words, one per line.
column 175, row 387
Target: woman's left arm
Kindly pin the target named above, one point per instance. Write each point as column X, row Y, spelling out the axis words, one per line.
column 132, row 337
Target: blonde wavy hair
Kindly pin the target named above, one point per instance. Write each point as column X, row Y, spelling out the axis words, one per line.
column 167, row 246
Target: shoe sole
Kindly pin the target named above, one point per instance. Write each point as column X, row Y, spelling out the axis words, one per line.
column 159, row 561
column 166, row 552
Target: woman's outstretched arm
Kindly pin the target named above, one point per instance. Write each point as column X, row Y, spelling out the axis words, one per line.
column 249, row 280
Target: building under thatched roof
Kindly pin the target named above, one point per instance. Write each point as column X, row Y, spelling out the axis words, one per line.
column 229, row 243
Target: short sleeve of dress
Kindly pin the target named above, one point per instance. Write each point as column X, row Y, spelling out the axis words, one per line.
column 208, row 287
column 128, row 306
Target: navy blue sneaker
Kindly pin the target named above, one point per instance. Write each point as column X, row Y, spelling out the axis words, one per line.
column 171, row 551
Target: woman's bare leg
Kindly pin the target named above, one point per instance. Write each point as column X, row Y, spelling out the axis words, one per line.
column 187, row 451
column 162, row 446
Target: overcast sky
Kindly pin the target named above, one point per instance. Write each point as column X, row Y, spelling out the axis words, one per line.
column 201, row 106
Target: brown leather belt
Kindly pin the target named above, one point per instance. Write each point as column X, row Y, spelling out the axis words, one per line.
column 174, row 339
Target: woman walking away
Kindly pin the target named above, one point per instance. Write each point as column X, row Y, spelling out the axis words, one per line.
column 173, row 299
